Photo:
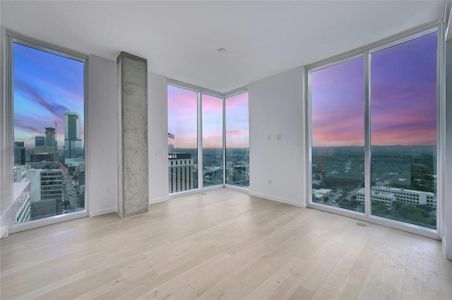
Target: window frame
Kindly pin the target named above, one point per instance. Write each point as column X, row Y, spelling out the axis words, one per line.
column 366, row 52
column 199, row 91
column 223, row 96
column 10, row 38
column 231, row 94
column 222, row 100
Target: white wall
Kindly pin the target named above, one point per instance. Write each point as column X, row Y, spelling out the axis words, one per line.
column 448, row 169
column 102, row 153
column 277, row 145
column 158, row 138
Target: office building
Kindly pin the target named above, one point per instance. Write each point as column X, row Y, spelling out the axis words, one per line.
column 50, row 138
column 22, row 196
column 19, row 153
column 388, row 195
column 180, row 172
column 40, row 141
column 47, row 193
column 72, row 141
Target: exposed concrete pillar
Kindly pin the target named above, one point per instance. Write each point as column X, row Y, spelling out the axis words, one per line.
column 133, row 135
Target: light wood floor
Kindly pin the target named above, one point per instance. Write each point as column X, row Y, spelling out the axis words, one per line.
column 222, row 245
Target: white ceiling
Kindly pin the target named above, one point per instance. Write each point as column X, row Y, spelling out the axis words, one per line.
column 180, row 39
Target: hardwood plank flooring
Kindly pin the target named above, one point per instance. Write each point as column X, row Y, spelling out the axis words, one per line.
column 222, row 245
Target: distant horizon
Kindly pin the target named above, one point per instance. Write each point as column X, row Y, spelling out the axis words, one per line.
column 210, row 148
column 356, row 146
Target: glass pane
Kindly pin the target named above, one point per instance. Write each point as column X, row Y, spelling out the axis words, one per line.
column 403, row 106
column 49, row 163
column 237, row 143
column 337, row 99
column 212, row 140
column 182, row 139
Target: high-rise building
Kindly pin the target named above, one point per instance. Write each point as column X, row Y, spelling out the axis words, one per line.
column 19, row 153
column 46, row 192
column 20, row 172
column 80, row 172
column 50, row 140
column 22, row 197
column 43, row 153
column 72, row 141
column 171, row 138
column 180, row 172
column 40, row 141
column 45, row 147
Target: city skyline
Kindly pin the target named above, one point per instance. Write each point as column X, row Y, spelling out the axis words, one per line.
column 403, row 94
column 41, row 81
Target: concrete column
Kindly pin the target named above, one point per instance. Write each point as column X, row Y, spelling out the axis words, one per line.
column 133, row 135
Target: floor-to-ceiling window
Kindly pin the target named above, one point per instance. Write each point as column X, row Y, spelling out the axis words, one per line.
column 373, row 131
column 182, row 139
column 403, row 114
column 48, row 92
column 237, row 140
column 212, row 140
column 337, row 97
column 209, row 128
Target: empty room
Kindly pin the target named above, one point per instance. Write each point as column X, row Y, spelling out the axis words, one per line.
column 226, row 150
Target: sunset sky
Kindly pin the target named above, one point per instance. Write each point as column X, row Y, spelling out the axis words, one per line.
column 237, row 121
column 45, row 86
column 403, row 100
column 403, row 97
column 182, row 118
column 337, row 95
column 212, row 122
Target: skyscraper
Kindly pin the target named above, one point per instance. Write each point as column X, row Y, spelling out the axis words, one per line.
column 40, row 141
column 72, row 141
column 47, row 192
column 180, row 172
column 50, row 139
column 171, row 138
column 19, row 153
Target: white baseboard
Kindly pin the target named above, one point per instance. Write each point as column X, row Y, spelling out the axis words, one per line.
column 102, row 212
column 237, row 188
column 157, row 200
column 276, row 198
